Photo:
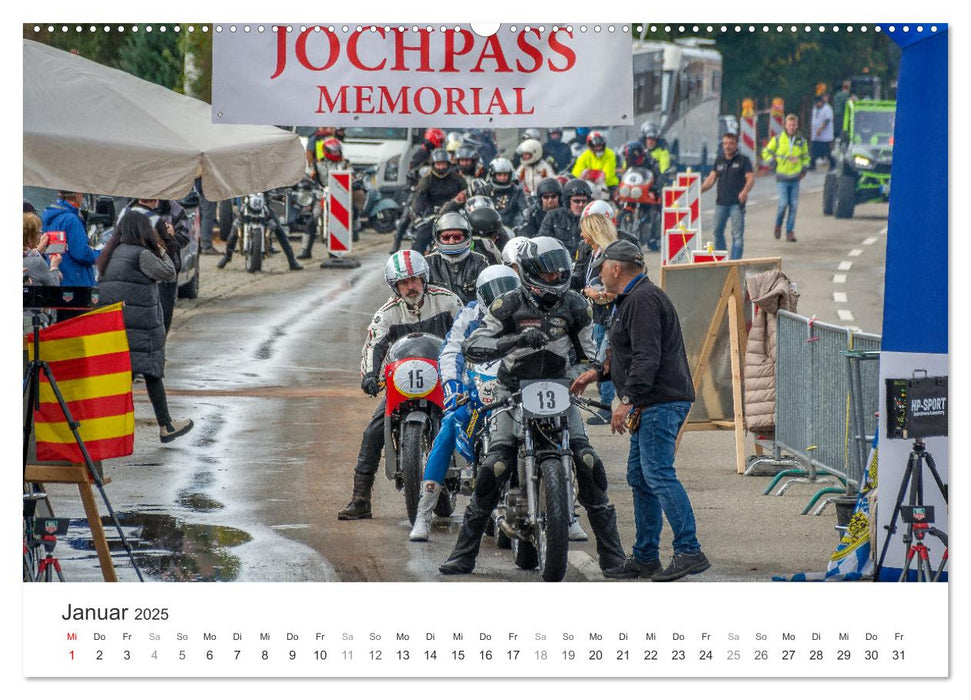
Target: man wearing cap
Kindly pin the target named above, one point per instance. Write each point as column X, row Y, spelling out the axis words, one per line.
column 649, row 368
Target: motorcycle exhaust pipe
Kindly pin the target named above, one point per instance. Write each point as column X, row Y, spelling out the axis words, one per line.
column 508, row 529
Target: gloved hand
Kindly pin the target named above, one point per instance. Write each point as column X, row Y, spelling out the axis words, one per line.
column 533, row 338
column 370, row 385
column 453, row 389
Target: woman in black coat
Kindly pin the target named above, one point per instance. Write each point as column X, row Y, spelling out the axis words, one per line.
column 129, row 269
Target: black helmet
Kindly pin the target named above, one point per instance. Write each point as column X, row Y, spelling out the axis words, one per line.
column 453, row 221
column 500, row 165
column 545, row 267
column 440, row 155
column 485, row 221
column 576, row 188
column 549, row 185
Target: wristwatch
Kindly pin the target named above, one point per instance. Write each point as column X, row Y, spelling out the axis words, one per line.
column 625, row 400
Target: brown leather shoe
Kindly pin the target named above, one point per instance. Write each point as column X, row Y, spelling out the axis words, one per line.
column 791, row 236
column 777, row 232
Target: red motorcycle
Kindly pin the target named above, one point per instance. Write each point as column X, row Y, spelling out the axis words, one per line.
column 640, row 207
column 414, row 404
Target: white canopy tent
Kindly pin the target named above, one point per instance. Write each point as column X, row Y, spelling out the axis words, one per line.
column 90, row 128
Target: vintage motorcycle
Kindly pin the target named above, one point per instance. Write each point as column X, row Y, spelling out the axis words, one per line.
column 413, row 413
column 640, row 207
column 376, row 210
column 255, row 233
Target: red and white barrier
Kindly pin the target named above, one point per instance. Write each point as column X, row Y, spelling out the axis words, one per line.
column 748, row 139
column 708, row 255
column 339, row 236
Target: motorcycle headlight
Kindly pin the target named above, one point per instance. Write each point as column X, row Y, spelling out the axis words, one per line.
column 391, row 168
column 305, row 198
column 862, row 162
column 625, row 191
column 636, row 192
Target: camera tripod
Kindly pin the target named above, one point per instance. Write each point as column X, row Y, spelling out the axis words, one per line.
column 917, row 516
column 32, row 376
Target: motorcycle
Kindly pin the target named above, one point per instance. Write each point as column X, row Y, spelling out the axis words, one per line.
column 376, row 210
column 413, row 413
column 640, row 207
column 255, row 235
column 597, row 179
column 300, row 202
column 535, row 507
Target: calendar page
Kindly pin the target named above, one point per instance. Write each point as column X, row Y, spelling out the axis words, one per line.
column 385, row 345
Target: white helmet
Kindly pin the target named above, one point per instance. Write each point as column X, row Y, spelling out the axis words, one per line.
column 510, row 251
column 403, row 265
column 532, row 133
column 530, row 151
column 598, row 206
column 493, row 282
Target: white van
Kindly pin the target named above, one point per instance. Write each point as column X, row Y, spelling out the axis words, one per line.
column 389, row 149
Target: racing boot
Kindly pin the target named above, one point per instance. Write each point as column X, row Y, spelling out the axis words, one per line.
column 603, row 522
column 360, row 506
column 423, row 520
column 308, row 243
column 227, row 256
column 462, row 559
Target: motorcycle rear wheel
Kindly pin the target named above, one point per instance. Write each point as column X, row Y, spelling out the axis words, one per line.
column 254, row 257
column 384, row 221
column 554, row 536
column 412, row 455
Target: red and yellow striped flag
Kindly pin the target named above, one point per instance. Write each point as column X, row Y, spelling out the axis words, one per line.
column 88, row 356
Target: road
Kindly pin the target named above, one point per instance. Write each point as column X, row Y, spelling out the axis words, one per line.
column 268, row 367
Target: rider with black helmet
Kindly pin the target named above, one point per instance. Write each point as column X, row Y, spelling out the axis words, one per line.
column 441, row 190
column 488, row 233
column 543, row 313
column 454, row 265
column 548, row 195
column 563, row 224
column 504, row 191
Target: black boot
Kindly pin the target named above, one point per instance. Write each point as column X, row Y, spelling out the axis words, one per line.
column 462, row 559
column 227, row 256
column 308, row 244
column 360, row 506
column 603, row 522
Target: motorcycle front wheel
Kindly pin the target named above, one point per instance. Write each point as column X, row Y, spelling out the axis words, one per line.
column 254, row 259
column 385, row 221
column 412, row 454
column 554, row 507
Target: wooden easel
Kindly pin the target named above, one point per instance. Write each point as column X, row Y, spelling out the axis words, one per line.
column 79, row 474
column 731, row 301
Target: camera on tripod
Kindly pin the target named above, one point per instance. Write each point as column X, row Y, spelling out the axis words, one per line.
column 917, row 407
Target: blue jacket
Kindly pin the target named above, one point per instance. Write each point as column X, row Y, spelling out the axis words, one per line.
column 77, row 262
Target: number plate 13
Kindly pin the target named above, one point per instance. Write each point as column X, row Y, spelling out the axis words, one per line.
column 545, row 398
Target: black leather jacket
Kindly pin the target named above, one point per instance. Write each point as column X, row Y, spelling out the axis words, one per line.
column 458, row 277
column 562, row 225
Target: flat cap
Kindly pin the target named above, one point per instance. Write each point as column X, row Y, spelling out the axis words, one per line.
column 623, row 251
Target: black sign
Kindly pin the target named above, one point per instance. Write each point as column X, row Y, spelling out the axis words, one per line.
column 916, row 408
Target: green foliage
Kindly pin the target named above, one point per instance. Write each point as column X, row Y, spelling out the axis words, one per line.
column 153, row 56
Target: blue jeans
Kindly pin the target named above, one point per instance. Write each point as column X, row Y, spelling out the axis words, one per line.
column 788, row 197
column 440, row 455
column 722, row 212
column 657, row 491
column 607, row 391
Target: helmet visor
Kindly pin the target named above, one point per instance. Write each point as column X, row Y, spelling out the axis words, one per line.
column 551, row 267
column 495, row 288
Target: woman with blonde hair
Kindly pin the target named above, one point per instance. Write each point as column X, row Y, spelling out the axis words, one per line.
column 36, row 268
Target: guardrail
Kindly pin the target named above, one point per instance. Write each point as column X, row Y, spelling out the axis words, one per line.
column 827, row 388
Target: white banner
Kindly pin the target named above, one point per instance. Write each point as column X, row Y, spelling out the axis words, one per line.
column 377, row 75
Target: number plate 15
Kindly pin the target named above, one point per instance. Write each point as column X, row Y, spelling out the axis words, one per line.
column 545, row 398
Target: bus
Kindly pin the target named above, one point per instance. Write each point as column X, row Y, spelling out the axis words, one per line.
column 678, row 87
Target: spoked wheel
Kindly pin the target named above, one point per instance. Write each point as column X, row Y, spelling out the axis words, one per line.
column 254, row 260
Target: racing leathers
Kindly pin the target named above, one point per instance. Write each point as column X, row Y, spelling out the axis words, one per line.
column 456, row 273
column 511, row 321
column 392, row 321
column 509, row 201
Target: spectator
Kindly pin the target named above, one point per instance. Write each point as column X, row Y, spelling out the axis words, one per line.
column 735, row 178
column 839, row 108
column 649, row 368
column 36, row 268
column 77, row 263
column 130, row 267
column 207, row 220
column 822, row 129
column 789, row 155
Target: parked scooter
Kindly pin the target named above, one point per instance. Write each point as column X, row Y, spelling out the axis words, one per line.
column 375, row 210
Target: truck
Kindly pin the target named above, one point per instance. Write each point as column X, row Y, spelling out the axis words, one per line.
column 863, row 160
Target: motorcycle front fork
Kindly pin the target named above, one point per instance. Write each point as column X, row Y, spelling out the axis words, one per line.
column 531, row 480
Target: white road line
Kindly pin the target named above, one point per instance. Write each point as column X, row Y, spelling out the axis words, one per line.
column 856, row 252
column 870, row 241
column 839, row 297
column 844, row 314
column 839, row 279
column 845, row 265
column 883, row 231
column 584, row 563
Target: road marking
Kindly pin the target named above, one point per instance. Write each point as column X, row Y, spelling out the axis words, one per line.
column 845, row 265
column 883, row 231
column 295, row 526
column 584, row 563
column 839, row 297
column 844, row 314
column 839, row 279
column 870, row 241
column 856, row 252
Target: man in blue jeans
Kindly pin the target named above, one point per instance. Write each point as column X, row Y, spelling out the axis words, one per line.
column 735, row 178
column 649, row 368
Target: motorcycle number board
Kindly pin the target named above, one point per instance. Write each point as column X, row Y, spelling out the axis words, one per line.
column 369, row 74
column 415, row 378
column 545, row 398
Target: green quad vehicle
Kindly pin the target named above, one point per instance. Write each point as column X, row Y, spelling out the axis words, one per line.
column 863, row 163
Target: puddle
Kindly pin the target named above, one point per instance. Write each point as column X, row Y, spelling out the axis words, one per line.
column 198, row 502
column 170, row 549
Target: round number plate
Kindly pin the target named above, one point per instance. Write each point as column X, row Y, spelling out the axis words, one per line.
column 415, row 378
column 545, row 398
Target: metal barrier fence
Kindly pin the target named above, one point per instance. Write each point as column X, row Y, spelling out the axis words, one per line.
column 826, row 402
